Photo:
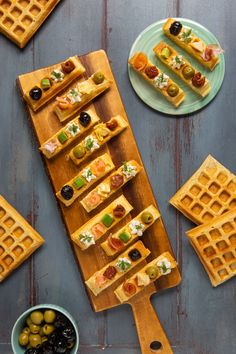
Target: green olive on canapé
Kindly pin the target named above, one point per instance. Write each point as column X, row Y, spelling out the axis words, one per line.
column 188, row 72
column 173, row 90
column 165, row 53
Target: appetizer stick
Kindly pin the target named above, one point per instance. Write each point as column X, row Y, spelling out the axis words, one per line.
column 157, row 79
column 42, row 88
column 110, row 185
column 81, row 94
column 182, row 68
column 85, row 179
column 131, row 231
column 100, row 135
column 207, row 55
column 116, row 269
column 159, row 267
column 69, row 133
column 88, row 234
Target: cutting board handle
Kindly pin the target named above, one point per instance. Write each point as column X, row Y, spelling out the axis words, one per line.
column 151, row 335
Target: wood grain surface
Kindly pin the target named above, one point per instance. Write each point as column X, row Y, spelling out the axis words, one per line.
column 197, row 318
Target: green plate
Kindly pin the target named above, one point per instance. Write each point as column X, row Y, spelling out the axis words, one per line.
column 193, row 102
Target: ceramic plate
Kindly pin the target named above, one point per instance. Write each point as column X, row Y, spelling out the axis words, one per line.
column 193, row 102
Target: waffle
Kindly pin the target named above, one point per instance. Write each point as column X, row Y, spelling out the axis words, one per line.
column 86, row 178
column 78, row 96
column 53, row 146
column 141, row 280
column 178, row 68
column 106, row 188
column 33, row 79
column 99, row 282
column 92, row 235
column 18, row 240
column 210, row 192
column 193, row 45
column 98, row 137
column 130, row 232
column 177, row 100
column 215, row 244
column 20, row 19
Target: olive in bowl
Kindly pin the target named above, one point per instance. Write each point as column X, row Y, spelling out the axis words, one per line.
column 45, row 329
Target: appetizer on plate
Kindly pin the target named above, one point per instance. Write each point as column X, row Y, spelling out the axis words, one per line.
column 56, row 78
column 85, row 179
column 182, row 68
column 116, row 269
column 81, row 94
column 69, row 133
column 183, row 36
column 131, row 231
column 18, row 239
column 100, row 135
column 110, row 185
column 88, row 234
column 215, row 245
column 160, row 266
column 157, row 79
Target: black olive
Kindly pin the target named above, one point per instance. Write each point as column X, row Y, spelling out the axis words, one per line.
column 175, row 28
column 134, row 254
column 69, row 334
column 60, row 347
column 35, row 93
column 67, row 192
column 61, row 322
column 32, row 351
column 47, row 348
column 84, row 119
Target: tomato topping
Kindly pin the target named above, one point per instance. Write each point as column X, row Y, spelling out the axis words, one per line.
column 151, row 71
column 98, row 166
column 119, row 211
column 92, row 199
column 116, row 181
column 129, row 288
column 115, row 243
column 198, row 80
column 112, row 125
column 98, row 230
column 110, row 272
column 140, row 61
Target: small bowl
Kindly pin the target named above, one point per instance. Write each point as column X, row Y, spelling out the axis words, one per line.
column 20, row 324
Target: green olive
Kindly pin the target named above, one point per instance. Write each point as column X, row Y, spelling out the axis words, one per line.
column 23, row 339
column 36, row 317
column 173, row 90
column 35, row 340
column 79, row 152
column 34, row 328
column 165, row 53
column 146, row 217
column 48, row 329
column 49, row 316
column 152, row 272
column 41, row 332
column 28, row 321
column 26, row 330
column 98, row 78
column 188, row 72
column 44, row 339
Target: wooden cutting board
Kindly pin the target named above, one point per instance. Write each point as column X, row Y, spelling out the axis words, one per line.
column 138, row 192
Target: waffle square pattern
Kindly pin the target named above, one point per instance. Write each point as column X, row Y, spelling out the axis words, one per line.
column 210, row 192
column 18, row 240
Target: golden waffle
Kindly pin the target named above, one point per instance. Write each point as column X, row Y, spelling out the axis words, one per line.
column 210, row 192
column 18, row 240
column 204, row 90
column 87, row 232
column 20, row 19
column 176, row 100
column 128, row 233
column 133, row 284
column 215, row 244
column 97, row 282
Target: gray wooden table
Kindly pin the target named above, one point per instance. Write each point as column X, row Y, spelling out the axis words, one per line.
column 197, row 318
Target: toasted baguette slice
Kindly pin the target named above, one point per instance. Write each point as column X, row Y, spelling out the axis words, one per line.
column 89, row 229
column 87, row 177
column 131, row 231
column 141, row 280
column 86, row 91
column 105, row 189
column 203, row 91
column 96, row 137
column 53, row 146
column 175, row 101
column 195, row 46
column 98, row 282
column 36, row 77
